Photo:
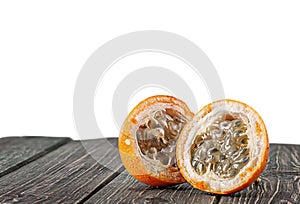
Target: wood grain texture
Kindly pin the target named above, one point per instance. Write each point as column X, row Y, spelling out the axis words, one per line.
column 67, row 175
column 19, row 151
column 280, row 184
column 91, row 172
column 271, row 189
column 126, row 189
column 284, row 159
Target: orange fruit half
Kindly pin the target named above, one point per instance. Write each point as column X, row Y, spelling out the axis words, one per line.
column 148, row 138
column 223, row 148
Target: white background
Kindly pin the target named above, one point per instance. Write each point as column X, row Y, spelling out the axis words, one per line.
column 254, row 45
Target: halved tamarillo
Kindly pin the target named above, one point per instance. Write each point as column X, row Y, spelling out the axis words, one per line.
column 148, row 137
column 223, row 148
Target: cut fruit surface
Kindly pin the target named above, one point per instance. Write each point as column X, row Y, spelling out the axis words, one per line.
column 148, row 138
column 223, row 148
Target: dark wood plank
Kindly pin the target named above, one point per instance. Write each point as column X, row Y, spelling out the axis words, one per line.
column 125, row 189
column 19, row 151
column 284, row 159
column 90, row 172
column 271, row 189
column 280, row 183
column 67, row 175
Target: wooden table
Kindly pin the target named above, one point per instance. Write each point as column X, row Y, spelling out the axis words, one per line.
column 60, row 170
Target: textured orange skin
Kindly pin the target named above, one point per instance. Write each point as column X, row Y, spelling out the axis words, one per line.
column 205, row 187
column 128, row 148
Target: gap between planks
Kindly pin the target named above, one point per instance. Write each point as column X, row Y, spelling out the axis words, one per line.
column 103, row 184
column 36, row 156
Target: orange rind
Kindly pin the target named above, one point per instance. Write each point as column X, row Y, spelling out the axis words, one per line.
column 148, row 138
